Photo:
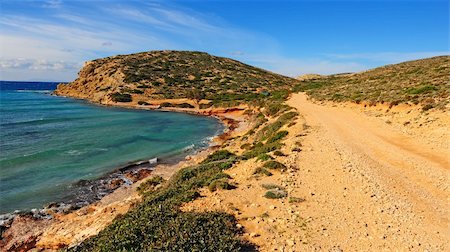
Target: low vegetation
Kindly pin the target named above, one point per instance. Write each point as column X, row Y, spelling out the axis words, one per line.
column 424, row 82
column 275, row 194
column 157, row 224
column 121, row 97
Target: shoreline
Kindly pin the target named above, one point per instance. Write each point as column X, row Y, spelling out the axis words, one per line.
column 68, row 227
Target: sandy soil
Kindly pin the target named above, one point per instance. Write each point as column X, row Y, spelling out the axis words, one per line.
column 369, row 182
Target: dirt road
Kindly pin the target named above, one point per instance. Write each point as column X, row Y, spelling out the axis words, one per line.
column 370, row 187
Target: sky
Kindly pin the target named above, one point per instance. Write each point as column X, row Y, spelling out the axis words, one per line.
column 50, row 40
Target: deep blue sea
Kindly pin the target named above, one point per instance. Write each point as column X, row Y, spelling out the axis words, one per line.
column 49, row 143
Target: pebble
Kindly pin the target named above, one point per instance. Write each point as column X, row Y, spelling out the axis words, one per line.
column 272, row 207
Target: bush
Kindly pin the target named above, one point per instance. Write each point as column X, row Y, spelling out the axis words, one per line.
column 259, row 149
column 278, row 136
column 184, row 105
column 275, row 194
column 220, row 184
column 219, row 155
column 278, row 153
column 158, row 224
column 120, row 97
column 262, row 171
column 264, row 157
column 150, row 184
column 142, row 103
column 275, row 165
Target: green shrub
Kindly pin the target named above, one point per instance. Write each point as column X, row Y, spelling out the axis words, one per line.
column 269, row 130
column 120, row 97
column 220, row 184
column 262, row 171
column 150, row 184
column 421, row 90
column 275, row 194
column 219, row 155
column 136, row 91
column 264, row 157
column 259, row 149
column 275, row 165
column 158, row 224
column 278, row 136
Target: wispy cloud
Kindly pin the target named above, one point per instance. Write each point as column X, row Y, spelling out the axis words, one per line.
column 386, row 56
column 52, row 4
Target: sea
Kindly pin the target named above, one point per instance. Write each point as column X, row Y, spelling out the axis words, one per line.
column 49, row 144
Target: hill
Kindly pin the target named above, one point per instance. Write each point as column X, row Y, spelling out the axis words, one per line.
column 160, row 75
column 424, row 82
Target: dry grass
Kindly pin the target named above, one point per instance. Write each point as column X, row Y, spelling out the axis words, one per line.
column 424, row 82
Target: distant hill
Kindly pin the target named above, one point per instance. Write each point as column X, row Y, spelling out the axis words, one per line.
column 424, row 81
column 174, row 75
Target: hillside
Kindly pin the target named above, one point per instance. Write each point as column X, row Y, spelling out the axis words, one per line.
column 158, row 75
column 424, row 82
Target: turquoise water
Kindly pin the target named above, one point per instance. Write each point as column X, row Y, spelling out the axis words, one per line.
column 48, row 143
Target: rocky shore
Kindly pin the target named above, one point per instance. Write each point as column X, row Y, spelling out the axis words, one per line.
column 58, row 225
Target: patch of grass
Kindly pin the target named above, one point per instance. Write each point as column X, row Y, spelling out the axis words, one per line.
column 219, row 155
column 150, row 184
column 262, row 171
column 274, row 165
column 264, row 157
column 259, row 149
column 278, row 136
column 120, row 97
column 220, row 184
column 275, row 194
column 421, row 89
column 269, row 130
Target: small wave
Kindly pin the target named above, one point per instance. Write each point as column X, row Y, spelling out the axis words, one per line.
column 74, row 152
column 34, row 91
column 189, row 147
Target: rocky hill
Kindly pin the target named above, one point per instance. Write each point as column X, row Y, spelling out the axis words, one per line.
column 160, row 75
column 424, row 82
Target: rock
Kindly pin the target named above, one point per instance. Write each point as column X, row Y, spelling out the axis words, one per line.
column 272, row 207
column 115, row 183
column 253, row 235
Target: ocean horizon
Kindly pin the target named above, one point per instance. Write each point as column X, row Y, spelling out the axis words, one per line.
column 48, row 144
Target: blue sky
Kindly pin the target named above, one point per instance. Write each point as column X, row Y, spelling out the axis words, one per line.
column 50, row 40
